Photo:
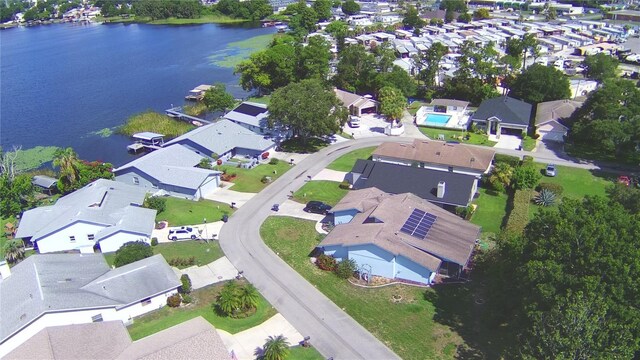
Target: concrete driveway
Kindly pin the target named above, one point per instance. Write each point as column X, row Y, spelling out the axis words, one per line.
column 214, row 272
column 330, row 175
column 227, row 195
column 295, row 209
column 506, row 141
column 371, row 125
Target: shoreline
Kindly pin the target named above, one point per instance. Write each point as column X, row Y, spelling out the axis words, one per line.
column 206, row 19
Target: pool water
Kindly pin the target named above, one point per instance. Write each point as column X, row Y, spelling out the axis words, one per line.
column 438, row 119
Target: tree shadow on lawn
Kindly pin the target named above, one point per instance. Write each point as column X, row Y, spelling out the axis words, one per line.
column 296, row 145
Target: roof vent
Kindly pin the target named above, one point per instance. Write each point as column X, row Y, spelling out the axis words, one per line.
column 438, row 153
column 473, row 159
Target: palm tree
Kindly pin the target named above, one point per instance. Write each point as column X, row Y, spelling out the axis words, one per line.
column 66, row 160
column 276, row 348
column 249, row 297
column 229, row 300
column 14, row 251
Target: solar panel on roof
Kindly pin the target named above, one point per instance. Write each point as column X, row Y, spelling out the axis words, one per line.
column 418, row 224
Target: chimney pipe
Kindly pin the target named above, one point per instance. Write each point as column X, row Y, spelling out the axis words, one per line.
column 5, row 271
column 441, row 188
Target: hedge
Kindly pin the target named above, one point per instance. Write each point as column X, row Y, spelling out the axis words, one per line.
column 519, row 215
column 511, row 160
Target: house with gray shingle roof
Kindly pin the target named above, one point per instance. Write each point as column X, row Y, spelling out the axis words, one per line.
column 104, row 215
column 63, row 289
column 503, row 115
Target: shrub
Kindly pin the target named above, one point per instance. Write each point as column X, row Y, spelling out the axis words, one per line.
column 511, row 160
column 345, row 268
column 154, row 241
column 274, row 161
column 265, row 179
column 186, row 284
column 545, row 198
column 554, row 188
column 527, row 159
column 519, row 214
column 464, row 212
column 182, row 261
column 132, row 252
column 525, row 177
column 187, row 299
column 174, row 300
column 326, row 262
column 345, row 185
column 155, row 202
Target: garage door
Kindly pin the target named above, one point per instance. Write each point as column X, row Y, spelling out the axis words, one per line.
column 552, row 136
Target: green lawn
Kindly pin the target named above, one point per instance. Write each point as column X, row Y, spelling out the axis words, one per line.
column 266, row 99
column 326, row 191
column 492, row 208
column 295, row 145
column 419, row 327
column 202, row 251
column 203, row 298
column 181, row 212
column 578, row 182
column 528, row 144
column 249, row 180
column 302, row 353
column 346, row 161
column 457, row 135
column 413, row 108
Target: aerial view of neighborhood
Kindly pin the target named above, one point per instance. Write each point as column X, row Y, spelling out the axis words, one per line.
column 319, row 179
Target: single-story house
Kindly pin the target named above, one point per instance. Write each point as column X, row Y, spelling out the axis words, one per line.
column 503, row 115
column 170, row 170
column 447, row 189
column 63, row 289
column 251, row 115
column 102, row 215
column 45, row 184
column 437, row 155
column 399, row 236
column 110, row 340
column 357, row 104
column 549, row 116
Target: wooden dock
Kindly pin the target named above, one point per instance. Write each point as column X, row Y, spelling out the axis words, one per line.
column 177, row 113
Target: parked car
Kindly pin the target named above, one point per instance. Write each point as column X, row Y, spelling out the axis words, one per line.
column 183, row 232
column 550, row 170
column 317, row 207
column 354, row 121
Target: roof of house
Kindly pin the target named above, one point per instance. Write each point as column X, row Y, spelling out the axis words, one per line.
column 192, row 339
column 105, row 202
column 507, row 109
column 449, row 102
column 172, row 165
column 44, row 181
column 348, row 99
column 555, row 110
column 52, row 282
column 450, row 238
column 251, row 113
column 222, row 137
column 397, row 179
column 439, row 152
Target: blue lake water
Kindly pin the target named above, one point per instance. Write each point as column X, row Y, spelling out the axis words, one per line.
column 59, row 84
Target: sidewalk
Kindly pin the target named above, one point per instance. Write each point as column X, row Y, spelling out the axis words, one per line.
column 244, row 343
column 227, row 195
column 219, row 270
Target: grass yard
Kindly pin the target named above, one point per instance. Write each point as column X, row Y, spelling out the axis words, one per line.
column 294, row 145
column 302, row 353
column 492, row 207
column 202, row 251
column 326, row 191
column 528, row 144
column 578, row 182
column 346, row 161
column 412, row 328
column 457, row 135
column 249, row 180
column 203, row 298
column 414, row 106
column 266, row 99
column 181, row 212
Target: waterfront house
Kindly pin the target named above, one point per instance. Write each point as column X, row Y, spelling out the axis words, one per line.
column 45, row 184
column 252, row 116
column 503, row 115
column 399, row 237
column 549, row 117
column 446, row 189
column 100, row 216
column 63, row 289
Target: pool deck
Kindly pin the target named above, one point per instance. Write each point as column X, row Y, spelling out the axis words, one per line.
column 455, row 120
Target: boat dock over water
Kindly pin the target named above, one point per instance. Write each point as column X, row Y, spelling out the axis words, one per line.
column 146, row 141
column 197, row 93
column 176, row 113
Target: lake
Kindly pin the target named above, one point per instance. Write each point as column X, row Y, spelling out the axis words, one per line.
column 62, row 84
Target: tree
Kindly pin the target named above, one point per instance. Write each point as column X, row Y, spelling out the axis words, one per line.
column 449, row 16
column 14, row 251
column 500, row 176
column 269, row 69
column 276, row 348
column 453, row 5
column 313, row 59
column 305, row 21
column 322, row 9
column 480, row 14
column 228, row 301
column 66, row 160
column 218, row 99
column 600, row 67
column 132, row 251
column 350, row 7
column 308, row 109
column 465, row 17
column 356, row 70
column 157, row 203
column 392, row 103
column 398, row 78
column 627, row 196
column 412, row 18
column 539, row 83
column 17, row 194
column 525, row 177
column 429, row 63
column 248, row 296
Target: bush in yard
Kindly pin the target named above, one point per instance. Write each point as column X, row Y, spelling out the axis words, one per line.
column 525, row 177
column 519, row 214
column 326, row 262
column 501, row 176
column 174, row 300
column 155, row 202
column 132, row 252
column 274, row 161
column 553, row 187
column 265, row 179
column 345, row 185
column 345, row 268
column 154, row 241
column 545, row 198
column 187, row 299
column 511, row 160
column 527, row 159
column 182, row 261
column 186, row 284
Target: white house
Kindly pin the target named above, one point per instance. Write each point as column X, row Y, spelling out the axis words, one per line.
column 63, row 289
column 102, row 215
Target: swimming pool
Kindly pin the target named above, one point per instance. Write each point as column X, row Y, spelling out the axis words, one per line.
column 436, row 119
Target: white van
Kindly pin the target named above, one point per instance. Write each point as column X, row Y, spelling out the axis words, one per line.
column 354, row 121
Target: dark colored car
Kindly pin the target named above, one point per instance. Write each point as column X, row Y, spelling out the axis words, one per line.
column 317, row 207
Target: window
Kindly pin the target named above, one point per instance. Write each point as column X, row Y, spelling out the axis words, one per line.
column 146, row 301
column 136, row 180
column 90, row 237
column 72, row 239
column 97, row 318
